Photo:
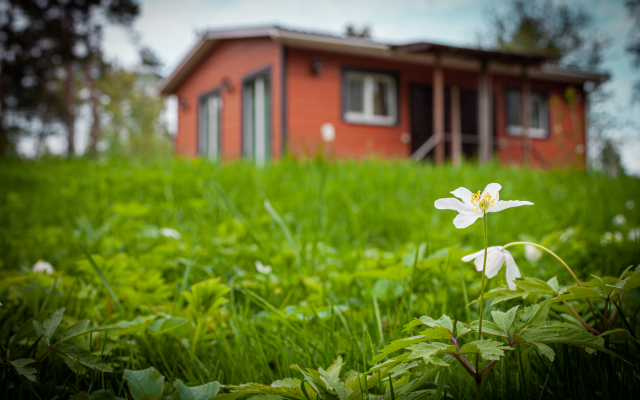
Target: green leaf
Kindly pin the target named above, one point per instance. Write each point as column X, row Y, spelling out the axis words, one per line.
column 48, row 326
column 429, row 351
column 533, row 317
column 80, row 328
column 487, row 348
column 444, row 321
column 334, row 369
column 336, row 385
column 553, row 283
column 397, row 345
column 437, row 333
column 26, row 329
column 488, row 327
column 21, row 365
column 576, row 293
column 83, row 357
column 202, row 392
column 286, row 382
column 508, row 295
column 146, row 381
column 386, row 289
column 545, row 350
column 504, row 320
column 164, row 325
column 462, row 329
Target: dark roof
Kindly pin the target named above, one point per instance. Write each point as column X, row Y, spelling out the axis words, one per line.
column 365, row 46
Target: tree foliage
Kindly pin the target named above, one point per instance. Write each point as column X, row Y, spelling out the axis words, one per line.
column 562, row 31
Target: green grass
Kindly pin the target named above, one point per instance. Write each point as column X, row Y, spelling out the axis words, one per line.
column 335, row 234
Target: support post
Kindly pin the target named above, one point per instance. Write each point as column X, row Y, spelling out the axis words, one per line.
column 438, row 110
column 456, row 129
column 526, row 117
column 485, row 113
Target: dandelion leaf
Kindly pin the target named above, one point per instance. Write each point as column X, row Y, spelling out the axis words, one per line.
column 83, row 357
column 202, row 392
column 144, row 382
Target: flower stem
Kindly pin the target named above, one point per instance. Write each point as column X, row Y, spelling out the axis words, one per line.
column 593, row 311
column 484, row 266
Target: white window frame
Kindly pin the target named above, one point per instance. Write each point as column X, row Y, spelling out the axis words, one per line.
column 368, row 116
column 533, row 133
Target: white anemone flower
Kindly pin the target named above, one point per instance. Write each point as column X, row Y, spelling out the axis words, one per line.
column 43, row 267
column 496, row 257
column 170, row 233
column 263, row 269
column 532, row 253
column 475, row 205
column 619, row 220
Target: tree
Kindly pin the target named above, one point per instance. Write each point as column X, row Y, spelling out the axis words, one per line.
column 43, row 46
column 633, row 47
column 566, row 33
column 132, row 111
column 352, row 31
column 559, row 30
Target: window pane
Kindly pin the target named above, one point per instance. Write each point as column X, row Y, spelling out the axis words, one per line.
column 536, row 112
column 355, row 95
column 514, row 108
column 381, row 98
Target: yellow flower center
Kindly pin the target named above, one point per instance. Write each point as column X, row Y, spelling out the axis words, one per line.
column 481, row 202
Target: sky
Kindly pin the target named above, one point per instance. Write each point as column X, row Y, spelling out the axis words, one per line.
column 169, row 27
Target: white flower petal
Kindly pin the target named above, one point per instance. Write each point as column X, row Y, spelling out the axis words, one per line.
column 504, row 204
column 463, row 194
column 494, row 190
column 532, row 253
column 480, row 258
column 512, row 270
column 495, row 260
column 473, row 256
column 43, row 267
column 462, row 221
column 450, row 203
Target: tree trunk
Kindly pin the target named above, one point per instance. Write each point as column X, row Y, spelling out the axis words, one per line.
column 69, row 108
column 94, row 136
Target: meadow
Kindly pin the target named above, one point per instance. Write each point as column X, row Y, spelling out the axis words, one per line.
column 232, row 274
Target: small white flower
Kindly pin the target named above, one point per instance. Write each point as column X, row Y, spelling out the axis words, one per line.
column 567, row 234
column 43, row 267
column 606, row 238
column 496, row 257
column 170, row 233
column 634, row 234
column 618, row 236
column 630, row 204
column 619, row 220
column 532, row 253
column 475, row 205
column 263, row 269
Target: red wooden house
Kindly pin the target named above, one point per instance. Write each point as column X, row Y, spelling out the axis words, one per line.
column 258, row 93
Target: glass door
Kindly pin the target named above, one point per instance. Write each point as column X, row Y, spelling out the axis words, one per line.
column 209, row 126
column 256, row 135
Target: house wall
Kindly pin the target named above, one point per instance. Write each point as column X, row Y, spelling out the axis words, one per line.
column 565, row 145
column 232, row 59
column 315, row 99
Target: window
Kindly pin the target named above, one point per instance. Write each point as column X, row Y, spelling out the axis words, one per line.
column 539, row 127
column 370, row 98
column 209, row 125
column 256, row 135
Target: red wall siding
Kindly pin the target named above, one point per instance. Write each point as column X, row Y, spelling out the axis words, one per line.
column 232, row 59
column 313, row 100
column 565, row 145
